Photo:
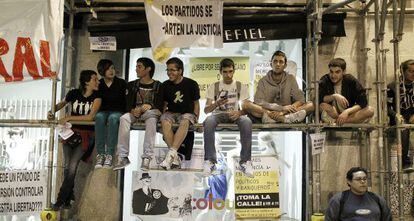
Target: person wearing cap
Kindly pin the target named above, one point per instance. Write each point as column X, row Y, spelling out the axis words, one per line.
column 357, row 203
column 278, row 98
column 342, row 98
column 147, row 200
column 406, row 108
column 112, row 90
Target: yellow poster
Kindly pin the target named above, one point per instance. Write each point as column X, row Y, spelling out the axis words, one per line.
column 258, row 197
column 207, row 71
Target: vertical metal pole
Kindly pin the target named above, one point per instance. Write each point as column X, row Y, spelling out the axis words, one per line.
column 379, row 92
column 309, row 165
column 386, row 148
column 317, row 37
column 51, row 146
column 395, row 41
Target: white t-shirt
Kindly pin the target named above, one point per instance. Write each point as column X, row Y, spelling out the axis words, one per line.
column 231, row 90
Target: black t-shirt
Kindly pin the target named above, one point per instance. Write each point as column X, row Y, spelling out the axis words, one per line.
column 81, row 105
column 113, row 97
column 180, row 97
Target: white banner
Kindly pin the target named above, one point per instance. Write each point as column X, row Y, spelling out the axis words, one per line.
column 30, row 37
column 22, row 192
column 178, row 23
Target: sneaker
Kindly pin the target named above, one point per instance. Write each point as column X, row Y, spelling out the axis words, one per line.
column 168, row 160
column 208, row 168
column 122, row 163
column 145, row 163
column 176, row 164
column 327, row 119
column 266, row 119
column 296, row 117
column 100, row 158
column 247, row 168
column 408, row 168
column 108, row 162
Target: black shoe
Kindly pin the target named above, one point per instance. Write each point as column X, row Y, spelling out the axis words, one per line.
column 56, row 206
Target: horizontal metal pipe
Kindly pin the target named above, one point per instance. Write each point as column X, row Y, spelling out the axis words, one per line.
column 240, row 9
column 336, row 6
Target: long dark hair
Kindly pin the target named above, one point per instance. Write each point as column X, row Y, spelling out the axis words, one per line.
column 85, row 76
column 103, row 65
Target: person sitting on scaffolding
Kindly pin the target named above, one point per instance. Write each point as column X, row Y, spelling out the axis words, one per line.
column 181, row 105
column 342, row 99
column 144, row 103
column 222, row 99
column 406, row 108
column 278, row 97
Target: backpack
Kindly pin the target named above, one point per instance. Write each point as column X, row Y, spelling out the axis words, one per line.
column 216, row 89
column 344, row 198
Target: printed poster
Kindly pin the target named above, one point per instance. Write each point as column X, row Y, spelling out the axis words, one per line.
column 258, row 197
column 207, row 71
column 22, row 192
column 162, row 194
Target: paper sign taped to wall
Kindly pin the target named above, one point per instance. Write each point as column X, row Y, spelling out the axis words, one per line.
column 103, row 43
column 317, row 142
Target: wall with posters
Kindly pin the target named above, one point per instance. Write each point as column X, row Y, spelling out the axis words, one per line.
column 280, row 170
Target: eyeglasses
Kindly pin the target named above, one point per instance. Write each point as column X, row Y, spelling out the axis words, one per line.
column 360, row 179
column 171, row 70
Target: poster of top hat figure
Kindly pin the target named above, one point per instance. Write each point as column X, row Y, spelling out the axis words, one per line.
column 164, row 194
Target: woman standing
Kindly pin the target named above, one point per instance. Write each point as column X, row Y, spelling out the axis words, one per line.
column 112, row 90
column 85, row 103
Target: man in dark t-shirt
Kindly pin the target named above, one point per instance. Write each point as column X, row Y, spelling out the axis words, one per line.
column 181, row 105
column 357, row 203
column 406, row 108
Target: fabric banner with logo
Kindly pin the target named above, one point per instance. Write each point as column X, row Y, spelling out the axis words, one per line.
column 30, row 38
column 178, row 24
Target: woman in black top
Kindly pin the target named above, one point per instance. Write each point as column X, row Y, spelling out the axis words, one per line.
column 112, row 91
column 85, row 103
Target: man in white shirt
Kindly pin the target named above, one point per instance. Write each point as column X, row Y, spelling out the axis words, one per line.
column 224, row 99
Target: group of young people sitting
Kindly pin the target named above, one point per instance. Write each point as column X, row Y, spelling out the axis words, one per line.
column 115, row 104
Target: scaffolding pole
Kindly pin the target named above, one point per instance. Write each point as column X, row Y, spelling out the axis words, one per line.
column 379, row 83
column 397, row 34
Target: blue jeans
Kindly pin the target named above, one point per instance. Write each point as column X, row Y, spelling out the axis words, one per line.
column 245, row 127
column 106, row 121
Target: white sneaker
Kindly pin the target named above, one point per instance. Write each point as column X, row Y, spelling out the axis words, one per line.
column 121, row 163
column 208, row 168
column 168, row 160
column 100, row 158
column 108, row 162
column 176, row 164
column 327, row 119
column 247, row 168
column 266, row 119
column 296, row 117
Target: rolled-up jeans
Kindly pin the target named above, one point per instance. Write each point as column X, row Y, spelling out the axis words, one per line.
column 150, row 117
column 245, row 127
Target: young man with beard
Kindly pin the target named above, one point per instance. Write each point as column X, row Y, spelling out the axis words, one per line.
column 143, row 103
column 342, row 99
column 181, row 105
column 357, row 203
column 406, row 108
column 278, row 97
